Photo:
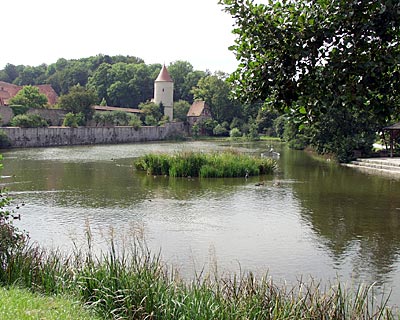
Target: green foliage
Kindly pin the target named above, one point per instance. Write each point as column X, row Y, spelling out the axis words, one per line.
column 123, row 84
column 135, row 121
column 120, row 118
column 319, row 58
column 149, row 120
column 181, row 109
column 103, row 102
column 252, row 134
column 215, row 91
column 235, row 133
column 265, row 121
column 19, row 109
column 74, row 120
column 185, row 78
column 28, row 121
column 30, row 97
column 78, row 100
column 195, row 130
column 9, row 73
column 151, row 112
column 220, row 130
column 207, row 126
column 117, row 118
column 191, row 164
column 279, row 125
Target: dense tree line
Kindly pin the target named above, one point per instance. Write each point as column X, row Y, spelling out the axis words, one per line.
column 126, row 81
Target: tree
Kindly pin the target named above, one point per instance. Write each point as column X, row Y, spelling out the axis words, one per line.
column 79, row 100
column 151, row 112
column 31, row 75
column 9, row 73
column 332, row 66
column 123, row 84
column 178, row 71
column 185, row 78
column 29, row 96
column 181, row 109
column 215, row 91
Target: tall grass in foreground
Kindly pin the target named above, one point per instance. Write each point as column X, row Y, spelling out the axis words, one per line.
column 134, row 284
column 204, row 165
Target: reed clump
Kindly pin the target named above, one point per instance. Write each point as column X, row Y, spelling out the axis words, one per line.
column 205, row 165
column 133, row 283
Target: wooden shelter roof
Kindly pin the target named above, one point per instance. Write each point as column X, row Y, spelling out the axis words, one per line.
column 106, row 108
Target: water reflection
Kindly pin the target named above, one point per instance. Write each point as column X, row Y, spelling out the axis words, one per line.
column 356, row 216
column 311, row 218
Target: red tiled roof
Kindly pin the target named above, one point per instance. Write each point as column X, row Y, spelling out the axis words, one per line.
column 49, row 92
column 164, row 75
column 9, row 90
column 197, row 108
column 106, row 108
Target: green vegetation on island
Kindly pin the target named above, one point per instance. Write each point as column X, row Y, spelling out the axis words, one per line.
column 205, row 165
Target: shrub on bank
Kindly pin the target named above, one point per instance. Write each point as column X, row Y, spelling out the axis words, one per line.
column 28, row 121
column 214, row 165
column 74, row 120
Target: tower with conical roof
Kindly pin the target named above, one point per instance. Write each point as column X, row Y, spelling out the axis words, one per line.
column 164, row 92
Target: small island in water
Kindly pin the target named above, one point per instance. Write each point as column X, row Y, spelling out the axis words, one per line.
column 205, row 165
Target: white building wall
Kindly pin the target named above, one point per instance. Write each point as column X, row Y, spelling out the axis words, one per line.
column 164, row 93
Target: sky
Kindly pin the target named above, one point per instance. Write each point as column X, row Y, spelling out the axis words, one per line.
column 157, row 31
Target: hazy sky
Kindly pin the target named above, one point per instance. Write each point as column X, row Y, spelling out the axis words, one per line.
column 158, row 31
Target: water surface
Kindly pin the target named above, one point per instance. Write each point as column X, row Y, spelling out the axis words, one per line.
column 310, row 219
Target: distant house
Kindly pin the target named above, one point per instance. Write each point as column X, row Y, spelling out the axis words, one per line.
column 9, row 90
column 199, row 110
column 109, row 109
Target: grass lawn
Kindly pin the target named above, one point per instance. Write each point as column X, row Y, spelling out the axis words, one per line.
column 21, row 304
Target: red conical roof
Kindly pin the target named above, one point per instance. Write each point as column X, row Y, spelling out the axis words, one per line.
column 164, row 75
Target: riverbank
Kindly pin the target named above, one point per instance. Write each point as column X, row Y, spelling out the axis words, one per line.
column 132, row 283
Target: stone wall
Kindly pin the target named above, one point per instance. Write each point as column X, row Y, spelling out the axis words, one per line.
column 54, row 117
column 65, row 136
column 6, row 114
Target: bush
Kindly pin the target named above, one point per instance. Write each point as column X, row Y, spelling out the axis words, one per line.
column 195, row 130
column 18, row 109
column 28, row 121
column 219, row 130
column 134, row 121
column 74, row 120
column 120, row 118
column 235, row 133
column 150, row 120
column 252, row 134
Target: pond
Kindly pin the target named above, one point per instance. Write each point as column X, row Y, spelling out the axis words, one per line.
column 312, row 218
